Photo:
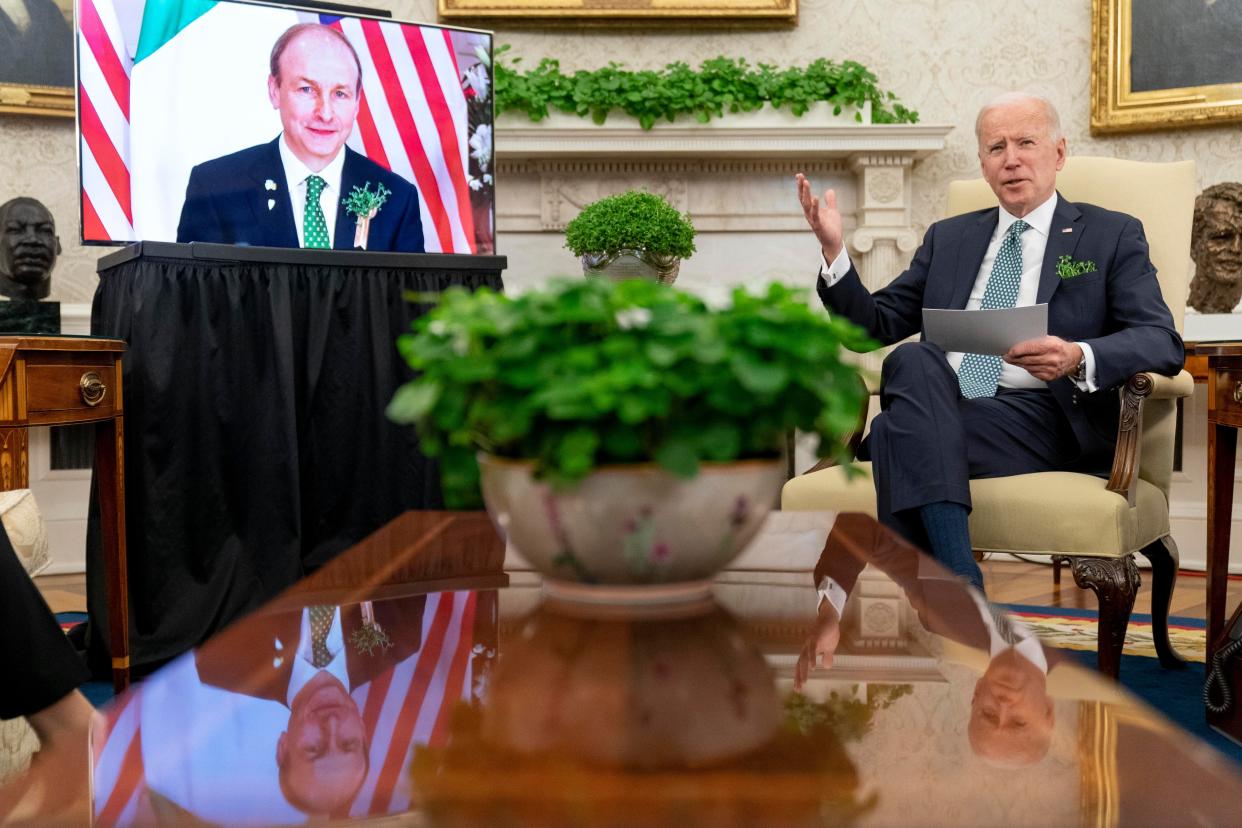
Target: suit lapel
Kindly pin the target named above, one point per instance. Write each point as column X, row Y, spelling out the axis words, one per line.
column 276, row 220
column 1063, row 235
column 345, row 221
column 970, row 251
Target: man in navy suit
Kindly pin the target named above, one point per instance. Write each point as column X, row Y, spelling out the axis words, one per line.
column 288, row 193
column 1051, row 404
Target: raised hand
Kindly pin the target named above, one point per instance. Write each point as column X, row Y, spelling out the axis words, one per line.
column 824, row 218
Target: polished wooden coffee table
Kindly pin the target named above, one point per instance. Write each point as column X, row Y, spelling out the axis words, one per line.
column 456, row 694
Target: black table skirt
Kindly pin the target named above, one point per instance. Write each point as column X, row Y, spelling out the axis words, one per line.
column 256, row 446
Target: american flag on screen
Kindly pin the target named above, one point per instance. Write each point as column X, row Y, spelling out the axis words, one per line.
column 408, row 705
column 412, row 117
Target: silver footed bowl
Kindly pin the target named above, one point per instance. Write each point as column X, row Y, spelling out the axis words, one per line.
column 632, row 264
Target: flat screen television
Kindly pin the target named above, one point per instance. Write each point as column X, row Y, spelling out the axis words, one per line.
column 184, row 135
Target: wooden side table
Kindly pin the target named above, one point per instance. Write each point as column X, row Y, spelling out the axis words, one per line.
column 1224, row 420
column 60, row 380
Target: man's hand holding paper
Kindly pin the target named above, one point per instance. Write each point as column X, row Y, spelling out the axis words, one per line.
column 1046, row 358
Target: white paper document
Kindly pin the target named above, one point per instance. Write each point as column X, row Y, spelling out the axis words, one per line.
column 984, row 331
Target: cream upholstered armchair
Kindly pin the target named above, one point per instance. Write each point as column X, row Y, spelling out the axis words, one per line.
column 1093, row 525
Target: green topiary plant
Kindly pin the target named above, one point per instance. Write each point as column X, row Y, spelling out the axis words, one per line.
column 590, row 372
column 718, row 86
column 630, row 221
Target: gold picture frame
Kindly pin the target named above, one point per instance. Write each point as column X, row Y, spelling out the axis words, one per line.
column 36, row 100
column 27, row 94
column 1115, row 107
column 599, row 12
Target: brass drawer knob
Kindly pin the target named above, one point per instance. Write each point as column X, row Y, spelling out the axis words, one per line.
column 92, row 387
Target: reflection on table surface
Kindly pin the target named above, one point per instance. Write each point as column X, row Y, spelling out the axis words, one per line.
column 423, row 673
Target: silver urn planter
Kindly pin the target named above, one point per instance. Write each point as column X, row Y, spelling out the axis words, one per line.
column 632, row 264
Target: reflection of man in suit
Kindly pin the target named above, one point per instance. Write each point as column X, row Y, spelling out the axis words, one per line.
column 288, row 193
column 311, row 660
column 1011, row 714
column 36, row 46
column 1051, row 403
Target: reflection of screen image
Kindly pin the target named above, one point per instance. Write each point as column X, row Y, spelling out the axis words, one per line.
column 171, row 89
column 297, row 715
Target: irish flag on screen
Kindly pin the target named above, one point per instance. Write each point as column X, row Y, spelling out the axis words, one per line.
column 168, row 84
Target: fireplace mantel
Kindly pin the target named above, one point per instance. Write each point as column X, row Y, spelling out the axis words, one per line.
column 579, row 139
column 733, row 176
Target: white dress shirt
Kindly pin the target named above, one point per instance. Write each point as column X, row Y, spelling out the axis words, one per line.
column 832, row 592
column 1034, row 242
column 1028, row 646
column 296, row 174
column 304, row 668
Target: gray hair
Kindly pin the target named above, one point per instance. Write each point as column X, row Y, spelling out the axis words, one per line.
column 1006, row 98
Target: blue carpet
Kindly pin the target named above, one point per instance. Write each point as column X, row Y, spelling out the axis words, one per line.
column 97, row 693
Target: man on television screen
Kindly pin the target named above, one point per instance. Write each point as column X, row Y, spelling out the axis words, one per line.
column 289, row 192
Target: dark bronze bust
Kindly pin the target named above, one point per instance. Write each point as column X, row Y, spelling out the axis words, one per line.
column 1216, row 247
column 28, row 249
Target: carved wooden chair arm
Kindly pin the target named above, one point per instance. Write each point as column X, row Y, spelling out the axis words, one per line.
column 1124, row 477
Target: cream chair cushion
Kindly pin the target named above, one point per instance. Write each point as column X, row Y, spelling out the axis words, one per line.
column 24, row 524
column 1061, row 512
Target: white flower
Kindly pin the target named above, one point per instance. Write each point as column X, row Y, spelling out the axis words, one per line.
column 474, row 183
column 487, row 178
column 633, row 318
column 481, row 145
column 477, row 79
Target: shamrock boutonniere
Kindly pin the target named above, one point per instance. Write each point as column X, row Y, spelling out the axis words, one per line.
column 364, row 203
column 370, row 636
column 1068, row 268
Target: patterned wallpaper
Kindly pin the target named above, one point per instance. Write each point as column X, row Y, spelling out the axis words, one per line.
column 942, row 57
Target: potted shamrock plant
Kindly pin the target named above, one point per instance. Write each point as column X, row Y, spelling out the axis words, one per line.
column 631, row 235
column 625, row 432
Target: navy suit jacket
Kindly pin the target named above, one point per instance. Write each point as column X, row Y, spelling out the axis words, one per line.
column 255, row 656
column 1117, row 310
column 226, row 202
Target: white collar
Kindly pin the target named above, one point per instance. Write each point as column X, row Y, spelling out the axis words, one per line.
column 1039, row 219
column 1029, row 646
column 296, row 172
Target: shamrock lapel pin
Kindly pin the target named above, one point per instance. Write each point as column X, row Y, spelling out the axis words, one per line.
column 269, row 185
column 364, row 204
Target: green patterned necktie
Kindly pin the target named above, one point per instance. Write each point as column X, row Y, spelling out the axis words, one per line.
column 314, row 228
column 321, row 624
column 978, row 373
